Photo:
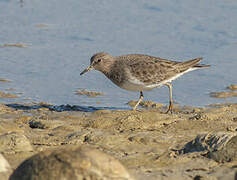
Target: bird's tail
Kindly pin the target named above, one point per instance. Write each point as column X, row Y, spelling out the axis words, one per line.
column 193, row 63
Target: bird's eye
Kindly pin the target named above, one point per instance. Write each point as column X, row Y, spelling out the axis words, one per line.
column 99, row 60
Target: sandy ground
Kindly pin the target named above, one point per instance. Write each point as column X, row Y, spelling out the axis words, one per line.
column 147, row 142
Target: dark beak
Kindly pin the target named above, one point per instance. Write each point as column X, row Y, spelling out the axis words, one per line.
column 86, row 70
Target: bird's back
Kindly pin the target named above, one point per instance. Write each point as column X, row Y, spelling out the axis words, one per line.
column 154, row 70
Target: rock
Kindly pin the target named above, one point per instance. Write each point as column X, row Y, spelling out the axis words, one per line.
column 227, row 153
column 36, row 124
column 74, row 163
column 5, row 169
column 45, row 124
column 14, row 142
column 221, row 146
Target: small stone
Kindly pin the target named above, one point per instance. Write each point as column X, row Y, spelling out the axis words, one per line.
column 231, row 128
column 36, row 124
column 235, row 119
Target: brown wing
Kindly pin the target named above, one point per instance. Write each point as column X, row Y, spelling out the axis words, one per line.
column 152, row 70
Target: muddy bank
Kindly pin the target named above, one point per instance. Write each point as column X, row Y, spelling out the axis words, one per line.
column 191, row 143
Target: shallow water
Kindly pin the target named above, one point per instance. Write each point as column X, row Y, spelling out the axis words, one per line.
column 63, row 35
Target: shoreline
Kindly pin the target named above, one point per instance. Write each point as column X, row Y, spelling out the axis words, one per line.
column 147, row 142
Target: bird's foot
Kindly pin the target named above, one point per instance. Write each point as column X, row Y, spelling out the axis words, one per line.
column 170, row 108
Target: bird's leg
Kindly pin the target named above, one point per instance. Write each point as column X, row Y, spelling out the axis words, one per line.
column 139, row 101
column 170, row 109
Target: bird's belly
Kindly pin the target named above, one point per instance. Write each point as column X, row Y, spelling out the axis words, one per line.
column 130, row 86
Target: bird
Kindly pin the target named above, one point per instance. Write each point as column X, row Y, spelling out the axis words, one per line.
column 140, row 72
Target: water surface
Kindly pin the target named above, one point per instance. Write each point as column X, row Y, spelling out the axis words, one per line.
column 63, row 35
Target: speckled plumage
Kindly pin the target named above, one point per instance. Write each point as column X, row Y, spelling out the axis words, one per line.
column 138, row 72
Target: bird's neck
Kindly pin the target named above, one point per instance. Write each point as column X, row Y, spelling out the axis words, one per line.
column 108, row 67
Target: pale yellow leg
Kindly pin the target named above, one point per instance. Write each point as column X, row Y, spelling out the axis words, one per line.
column 170, row 109
column 139, row 101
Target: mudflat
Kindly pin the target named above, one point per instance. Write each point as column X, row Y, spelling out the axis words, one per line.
column 191, row 143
